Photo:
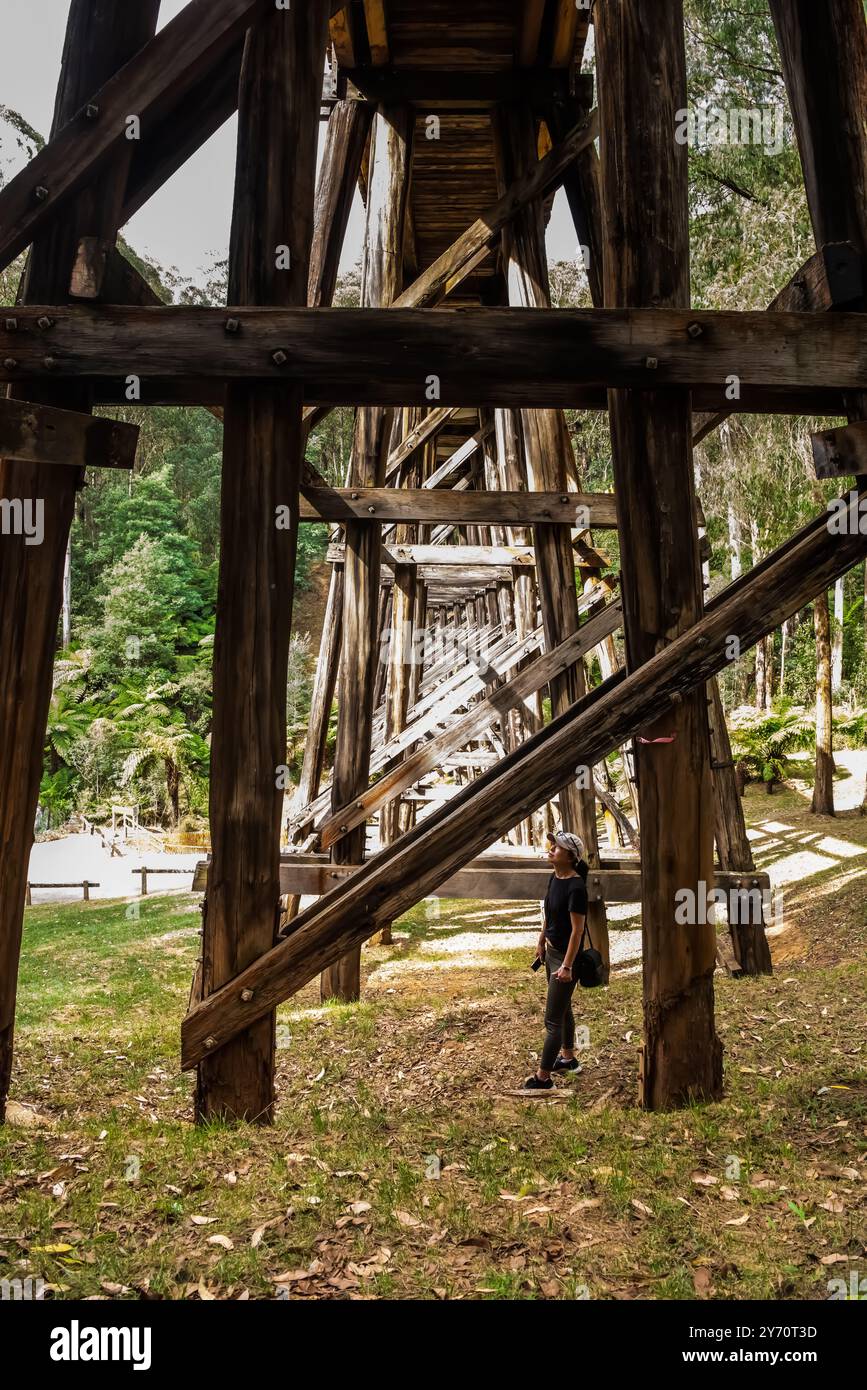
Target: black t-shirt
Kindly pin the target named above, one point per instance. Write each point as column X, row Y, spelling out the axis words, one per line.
column 564, row 895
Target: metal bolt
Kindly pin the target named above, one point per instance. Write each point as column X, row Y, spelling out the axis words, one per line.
column 233, row 325
column 279, row 357
column 564, row 500
column 11, row 325
column 355, row 496
column 246, row 996
column 45, row 323
column 49, row 362
column 344, row 829
column 210, row 1042
column 695, row 330
column 359, row 805
column 371, row 509
column 40, row 192
column 91, row 111
column 651, row 363
column 10, row 364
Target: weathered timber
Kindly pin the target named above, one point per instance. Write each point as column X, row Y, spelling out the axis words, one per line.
column 824, row 55
column 262, row 460
column 377, row 31
column 479, row 717
column 642, row 66
column 382, row 269
column 156, row 77
column 497, row 356
column 839, row 453
column 445, row 556
column 40, row 434
column 346, row 136
column 549, row 461
column 479, row 814
column 488, row 881
column 427, row 428
column 461, row 508
column 98, row 42
column 439, row 88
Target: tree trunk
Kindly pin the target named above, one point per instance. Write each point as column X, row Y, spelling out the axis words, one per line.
column 837, row 649
column 823, row 787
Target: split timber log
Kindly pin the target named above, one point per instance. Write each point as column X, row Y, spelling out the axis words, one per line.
column 839, row 453
column 642, row 67
column 434, row 556
column 462, row 507
column 99, row 40
column 392, row 881
column 824, row 57
column 262, row 461
column 40, row 434
column 427, row 428
column 387, row 200
column 496, row 356
column 486, row 879
column 156, row 77
column 433, row 88
column 479, row 717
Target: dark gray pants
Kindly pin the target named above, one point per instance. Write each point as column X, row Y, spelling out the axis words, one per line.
column 559, row 1019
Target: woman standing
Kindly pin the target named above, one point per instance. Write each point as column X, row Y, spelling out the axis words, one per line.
column 565, row 912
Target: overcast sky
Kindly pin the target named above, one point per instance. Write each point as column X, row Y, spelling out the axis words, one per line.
column 186, row 224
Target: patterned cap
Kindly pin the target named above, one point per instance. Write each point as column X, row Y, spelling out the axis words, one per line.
column 567, row 840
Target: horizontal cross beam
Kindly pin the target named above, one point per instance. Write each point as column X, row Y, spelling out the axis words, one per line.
column 597, row 510
column 43, row 434
column 499, row 357
column 429, row 87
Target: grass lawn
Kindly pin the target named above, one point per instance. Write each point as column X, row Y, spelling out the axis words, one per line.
column 399, row 1165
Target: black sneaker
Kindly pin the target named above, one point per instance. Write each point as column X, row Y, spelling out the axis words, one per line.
column 534, row 1084
column 566, row 1064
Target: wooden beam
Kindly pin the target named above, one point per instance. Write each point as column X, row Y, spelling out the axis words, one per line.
column 343, row 37
column 466, row 507
column 389, row 883
column 391, row 144
column 839, row 453
column 482, row 235
column 824, row 54
column 496, row 356
column 427, row 428
column 262, row 458
column 532, row 15
column 565, row 33
column 167, row 67
column 469, row 90
column 642, row 72
column 457, row 733
column 377, row 32
column 39, row 434
column 486, row 880
column 345, row 140
column 99, row 40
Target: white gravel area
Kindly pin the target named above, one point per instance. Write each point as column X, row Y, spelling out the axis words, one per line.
column 78, row 857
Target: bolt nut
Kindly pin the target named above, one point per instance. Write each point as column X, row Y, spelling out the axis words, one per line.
column 233, row 325
column 11, row 325
column 210, row 1042
column 49, row 363
column 359, row 805
column 279, row 357
column 354, row 496
column 651, row 363
column 91, row 111
column 246, row 996
column 45, row 323
column 10, row 363
column 344, row 829
column 564, row 500
column 371, row 510
column 695, row 330
column 40, row 192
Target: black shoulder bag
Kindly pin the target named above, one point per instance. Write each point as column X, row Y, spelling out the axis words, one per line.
column 589, row 965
